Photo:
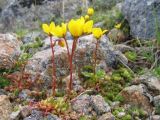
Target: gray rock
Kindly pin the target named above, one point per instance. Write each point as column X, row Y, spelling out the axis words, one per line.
column 90, row 105
column 35, row 115
column 52, row 117
column 10, row 50
column 121, row 114
column 107, row 116
column 3, row 4
column 24, row 94
column 156, row 117
column 136, row 95
column 15, row 115
column 156, row 101
column 81, row 104
column 41, row 61
column 19, row 14
column 152, row 83
column 141, row 15
column 5, row 107
column 25, row 111
column 31, row 37
column 2, row 92
column 99, row 105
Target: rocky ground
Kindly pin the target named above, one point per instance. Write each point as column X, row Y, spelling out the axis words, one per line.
column 125, row 87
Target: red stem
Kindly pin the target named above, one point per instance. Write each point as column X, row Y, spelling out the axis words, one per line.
column 53, row 68
column 71, row 64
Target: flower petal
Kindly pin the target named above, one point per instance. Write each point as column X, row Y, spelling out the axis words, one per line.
column 45, row 28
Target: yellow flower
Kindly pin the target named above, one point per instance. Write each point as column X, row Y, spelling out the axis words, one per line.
column 90, row 11
column 118, row 26
column 76, row 27
column 60, row 31
column 62, row 43
column 97, row 32
column 86, row 17
column 88, row 27
column 48, row 28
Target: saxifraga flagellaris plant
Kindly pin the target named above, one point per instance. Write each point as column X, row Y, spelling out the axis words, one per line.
column 77, row 28
column 52, row 30
column 97, row 33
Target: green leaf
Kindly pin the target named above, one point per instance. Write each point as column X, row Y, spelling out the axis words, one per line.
column 100, row 74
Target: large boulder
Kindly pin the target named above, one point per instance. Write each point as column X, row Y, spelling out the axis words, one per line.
column 90, row 105
column 18, row 14
column 137, row 95
column 152, row 83
column 41, row 62
column 9, row 50
column 5, row 107
column 141, row 15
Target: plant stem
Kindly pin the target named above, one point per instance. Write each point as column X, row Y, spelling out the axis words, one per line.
column 53, row 68
column 71, row 63
column 95, row 57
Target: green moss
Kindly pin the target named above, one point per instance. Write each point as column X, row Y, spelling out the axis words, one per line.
column 119, row 98
column 127, row 117
column 137, row 112
column 156, row 71
column 157, row 111
column 83, row 118
column 119, row 79
column 132, row 56
column 116, row 77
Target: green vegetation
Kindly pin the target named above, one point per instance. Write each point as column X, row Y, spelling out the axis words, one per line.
column 54, row 105
column 104, row 4
column 21, row 32
column 131, row 113
column 157, row 111
column 110, row 85
column 83, row 118
column 156, row 71
column 132, row 56
column 4, row 82
column 110, row 18
column 90, row 78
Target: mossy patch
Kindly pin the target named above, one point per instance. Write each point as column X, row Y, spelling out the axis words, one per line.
column 132, row 56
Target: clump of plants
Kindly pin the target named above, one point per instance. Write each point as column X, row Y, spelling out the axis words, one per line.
column 18, row 81
column 52, row 105
column 31, row 47
column 116, row 112
column 108, row 84
column 137, row 112
column 4, row 82
column 133, row 112
column 132, row 56
column 114, row 83
column 91, row 78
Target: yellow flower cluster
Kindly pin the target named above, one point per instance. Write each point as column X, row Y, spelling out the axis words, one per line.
column 77, row 27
